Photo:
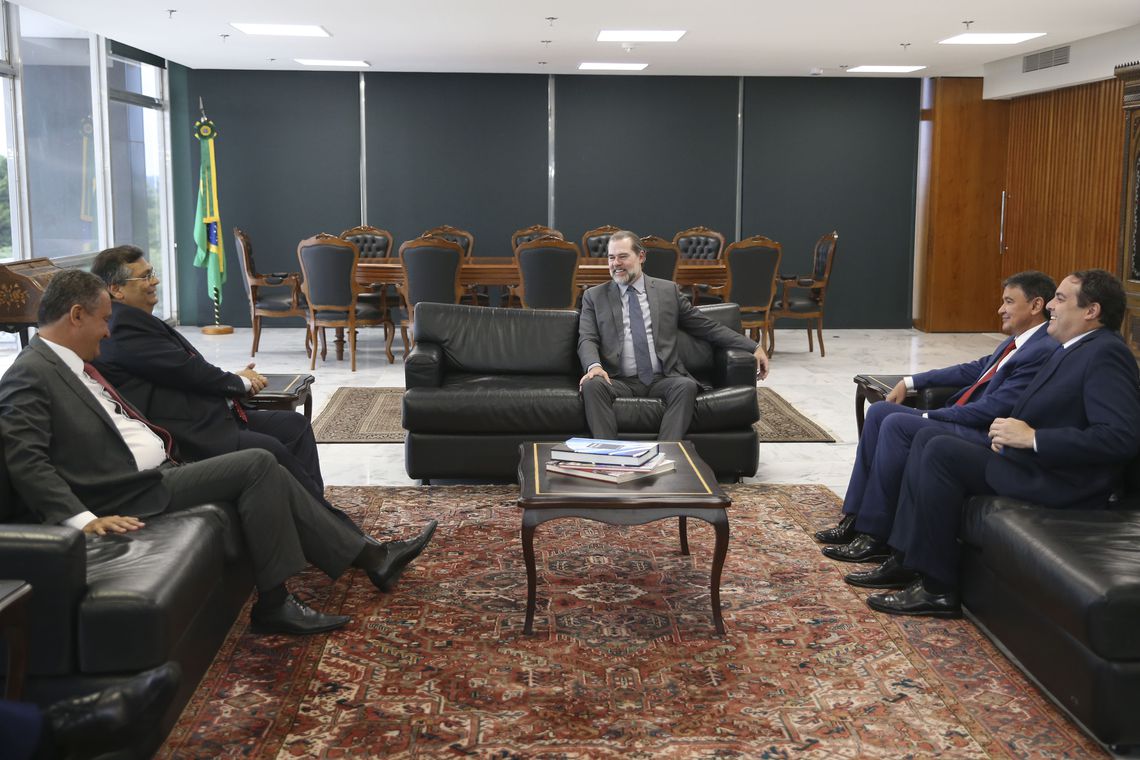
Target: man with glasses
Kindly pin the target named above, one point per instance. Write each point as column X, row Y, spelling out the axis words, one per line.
column 165, row 378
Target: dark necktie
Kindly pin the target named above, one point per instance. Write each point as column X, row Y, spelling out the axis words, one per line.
column 640, row 340
column 129, row 411
column 986, row 376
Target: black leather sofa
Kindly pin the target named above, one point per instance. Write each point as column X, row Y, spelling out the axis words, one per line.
column 106, row 607
column 1059, row 591
column 480, row 381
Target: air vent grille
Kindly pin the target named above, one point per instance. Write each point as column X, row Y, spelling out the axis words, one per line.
column 1046, row 59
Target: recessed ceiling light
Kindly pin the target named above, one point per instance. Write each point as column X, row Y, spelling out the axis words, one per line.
column 612, row 66
column 323, row 62
column 282, row 30
column 978, row 38
column 883, row 69
column 640, row 35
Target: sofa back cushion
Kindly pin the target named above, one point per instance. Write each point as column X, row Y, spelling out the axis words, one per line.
column 489, row 340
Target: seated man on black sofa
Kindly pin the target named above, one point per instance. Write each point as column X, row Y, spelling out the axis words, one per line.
column 989, row 387
column 627, row 343
column 1064, row 445
column 78, row 454
column 161, row 374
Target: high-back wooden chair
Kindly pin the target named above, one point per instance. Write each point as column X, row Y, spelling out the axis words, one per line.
column 804, row 296
column 548, row 270
column 276, row 294
column 431, row 273
column 596, row 242
column 752, row 282
column 661, row 257
column 533, row 232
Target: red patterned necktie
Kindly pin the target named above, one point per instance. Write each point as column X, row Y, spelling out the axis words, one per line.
column 130, row 411
column 985, row 378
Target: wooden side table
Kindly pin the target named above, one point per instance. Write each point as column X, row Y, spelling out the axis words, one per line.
column 14, row 597
column 690, row 490
column 284, row 392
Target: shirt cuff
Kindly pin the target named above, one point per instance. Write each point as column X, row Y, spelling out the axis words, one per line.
column 595, row 364
column 926, row 415
column 246, row 382
column 79, row 521
column 909, row 381
column 1035, row 443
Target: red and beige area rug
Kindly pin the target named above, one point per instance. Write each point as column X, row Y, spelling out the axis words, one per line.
column 624, row 662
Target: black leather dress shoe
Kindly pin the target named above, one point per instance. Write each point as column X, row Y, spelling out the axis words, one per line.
column 293, row 617
column 890, row 574
column 916, row 600
column 863, row 548
column 840, row 534
column 397, row 555
column 108, row 719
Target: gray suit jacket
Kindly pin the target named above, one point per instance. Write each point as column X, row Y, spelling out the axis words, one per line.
column 601, row 333
column 63, row 452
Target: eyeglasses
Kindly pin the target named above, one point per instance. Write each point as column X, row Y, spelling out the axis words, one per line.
column 148, row 275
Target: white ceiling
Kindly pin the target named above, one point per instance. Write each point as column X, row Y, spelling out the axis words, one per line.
column 725, row 37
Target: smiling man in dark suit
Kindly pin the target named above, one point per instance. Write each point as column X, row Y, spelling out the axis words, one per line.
column 989, row 387
column 1064, row 445
column 80, row 455
column 165, row 378
column 627, row 343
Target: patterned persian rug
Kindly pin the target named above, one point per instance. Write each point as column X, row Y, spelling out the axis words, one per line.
column 372, row 415
column 624, row 662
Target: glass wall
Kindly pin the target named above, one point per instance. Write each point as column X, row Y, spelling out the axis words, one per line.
column 9, row 195
column 60, row 144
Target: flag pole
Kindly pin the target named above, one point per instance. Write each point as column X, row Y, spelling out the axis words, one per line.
column 208, row 234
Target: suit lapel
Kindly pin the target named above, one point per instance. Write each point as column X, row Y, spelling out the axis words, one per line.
column 73, row 383
column 654, row 298
column 613, row 294
column 1050, row 368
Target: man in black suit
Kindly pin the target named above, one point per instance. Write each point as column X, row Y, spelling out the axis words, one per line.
column 627, row 343
column 80, row 455
column 165, row 378
column 1064, row 445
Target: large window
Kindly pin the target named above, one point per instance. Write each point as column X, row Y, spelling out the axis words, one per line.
column 60, row 143
column 9, row 230
column 138, row 147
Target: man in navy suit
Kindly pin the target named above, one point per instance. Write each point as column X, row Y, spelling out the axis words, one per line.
column 989, row 388
column 165, row 378
column 1064, row 445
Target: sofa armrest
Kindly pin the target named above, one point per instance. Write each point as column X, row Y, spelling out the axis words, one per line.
column 424, row 366
column 934, row 397
column 52, row 558
column 732, row 366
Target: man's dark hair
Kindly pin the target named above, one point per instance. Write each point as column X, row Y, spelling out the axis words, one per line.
column 1033, row 284
column 632, row 237
column 1099, row 286
column 66, row 289
column 113, row 265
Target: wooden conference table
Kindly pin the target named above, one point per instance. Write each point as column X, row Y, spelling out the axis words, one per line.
column 501, row 270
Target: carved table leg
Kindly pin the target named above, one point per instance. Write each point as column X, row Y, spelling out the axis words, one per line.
column 684, row 524
column 531, row 573
column 720, row 525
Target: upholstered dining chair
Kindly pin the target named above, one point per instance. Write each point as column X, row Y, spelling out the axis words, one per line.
column 596, row 242
column 271, row 295
column 431, row 273
column 533, row 232
column 374, row 243
column 464, row 238
column 699, row 243
column 752, row 282
column 661, row 257
column 804, row 296
column 548, row 269
column 328, row 265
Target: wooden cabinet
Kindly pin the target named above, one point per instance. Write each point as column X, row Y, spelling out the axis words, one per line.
column 1130, row 224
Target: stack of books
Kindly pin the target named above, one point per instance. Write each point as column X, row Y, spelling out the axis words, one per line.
column 608, row 461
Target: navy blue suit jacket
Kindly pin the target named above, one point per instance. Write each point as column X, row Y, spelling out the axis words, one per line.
column 1085, row 406
column 162, row 375
column 997, row 397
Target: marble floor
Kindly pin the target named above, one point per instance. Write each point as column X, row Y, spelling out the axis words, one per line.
column 820, row 388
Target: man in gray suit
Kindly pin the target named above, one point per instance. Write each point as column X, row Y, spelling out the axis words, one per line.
column 79, row 455
column 627, row 343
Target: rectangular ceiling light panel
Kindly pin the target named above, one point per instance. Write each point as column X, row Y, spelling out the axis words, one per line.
column 640, row 35
column 612, row 66
column 323, row 62
column 282, row 30
column 979, row 38
column 884, row 69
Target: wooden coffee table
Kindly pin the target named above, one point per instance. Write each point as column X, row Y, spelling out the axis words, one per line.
column 690, row 490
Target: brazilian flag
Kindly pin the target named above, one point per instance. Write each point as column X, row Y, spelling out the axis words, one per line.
column 211, row 254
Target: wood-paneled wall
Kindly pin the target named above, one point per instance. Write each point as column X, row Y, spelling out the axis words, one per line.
column 1063, row 178
column 961, row 270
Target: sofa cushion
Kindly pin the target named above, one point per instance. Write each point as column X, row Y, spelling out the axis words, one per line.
column 721, row 409
column 144, row 589
column 502, row 403
column 1080, row 568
